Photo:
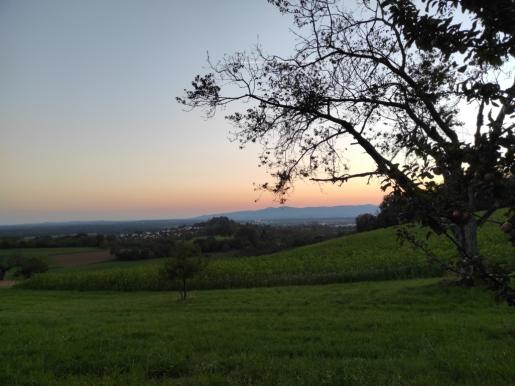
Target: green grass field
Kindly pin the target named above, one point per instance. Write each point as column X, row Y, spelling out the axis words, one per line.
column 414, row 332
column 396, row 332
column 375, row 255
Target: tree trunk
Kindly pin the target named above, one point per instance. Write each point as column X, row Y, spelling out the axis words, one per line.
column 184, row 289
column 470, row 263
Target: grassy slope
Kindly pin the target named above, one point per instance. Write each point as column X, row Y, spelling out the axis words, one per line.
column 374, row 255
column 381, row 333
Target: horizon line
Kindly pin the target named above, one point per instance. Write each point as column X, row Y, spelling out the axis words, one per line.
column 178, row 218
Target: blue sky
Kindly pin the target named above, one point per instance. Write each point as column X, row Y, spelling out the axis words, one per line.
column 89, row 125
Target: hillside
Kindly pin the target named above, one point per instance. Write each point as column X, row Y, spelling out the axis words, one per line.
column 374, row 255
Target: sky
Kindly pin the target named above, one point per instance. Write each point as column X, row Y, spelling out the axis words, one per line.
column 89, row 126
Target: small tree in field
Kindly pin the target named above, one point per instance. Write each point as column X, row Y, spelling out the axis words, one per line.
column 393, row 77
column 186, row 263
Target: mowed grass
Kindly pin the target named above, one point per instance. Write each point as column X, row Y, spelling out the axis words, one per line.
column 415, row 332
column 375, row 255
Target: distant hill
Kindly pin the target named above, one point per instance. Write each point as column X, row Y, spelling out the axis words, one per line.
column 290, row 213
column 280, row 215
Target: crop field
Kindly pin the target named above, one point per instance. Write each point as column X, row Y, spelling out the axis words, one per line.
column 413, row 332
column 81, row 258
column 61, row 257
column 44, row 253
column 375, row 255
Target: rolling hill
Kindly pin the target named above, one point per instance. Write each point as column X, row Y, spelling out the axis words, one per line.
column 374, row 255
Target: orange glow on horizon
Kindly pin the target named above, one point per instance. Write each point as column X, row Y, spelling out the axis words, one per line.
column 170, row 202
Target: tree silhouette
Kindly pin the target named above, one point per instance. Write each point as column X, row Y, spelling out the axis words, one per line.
column 393, row 79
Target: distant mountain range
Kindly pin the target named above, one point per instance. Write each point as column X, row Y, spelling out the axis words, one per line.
column 280, row 215
column 290, row 213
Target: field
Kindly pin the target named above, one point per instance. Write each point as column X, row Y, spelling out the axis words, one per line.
column 375, row 255
column 56, row 258
column 81, row 258
column 414, row 332
column 43, row 252
column 422, row 331
column 60, row 257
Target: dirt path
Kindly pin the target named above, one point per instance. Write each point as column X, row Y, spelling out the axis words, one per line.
column 7, row 283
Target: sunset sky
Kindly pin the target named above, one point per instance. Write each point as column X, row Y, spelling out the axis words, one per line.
column 89, row 126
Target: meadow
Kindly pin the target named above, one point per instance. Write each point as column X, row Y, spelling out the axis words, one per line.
column 374, row 255
column 421, row 331
column 414, row 332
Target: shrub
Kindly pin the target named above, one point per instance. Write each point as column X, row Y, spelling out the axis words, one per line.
column 27, row 267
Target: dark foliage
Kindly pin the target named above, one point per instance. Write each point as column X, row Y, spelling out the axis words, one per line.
column 24, row 267
column 31, row 266
column 395, row 209
column 217, row 226
column 77, row 240
column 140, row 249
column 254, row 239
column 186, row 263
column 366, row 222
column 489, row 39
column 222, row 235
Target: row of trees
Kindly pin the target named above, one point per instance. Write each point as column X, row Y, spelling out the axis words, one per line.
column 222, row 235
column 141, row 249
column 76, row 240
column 225, row 235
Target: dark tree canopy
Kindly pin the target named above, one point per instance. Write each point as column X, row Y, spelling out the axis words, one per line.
column 366, row 222
column 398, row 80
column 486, row 33
column 182, row 267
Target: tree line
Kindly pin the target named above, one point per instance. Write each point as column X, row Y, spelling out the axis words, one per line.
column 75, row 240
column 223, row 235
